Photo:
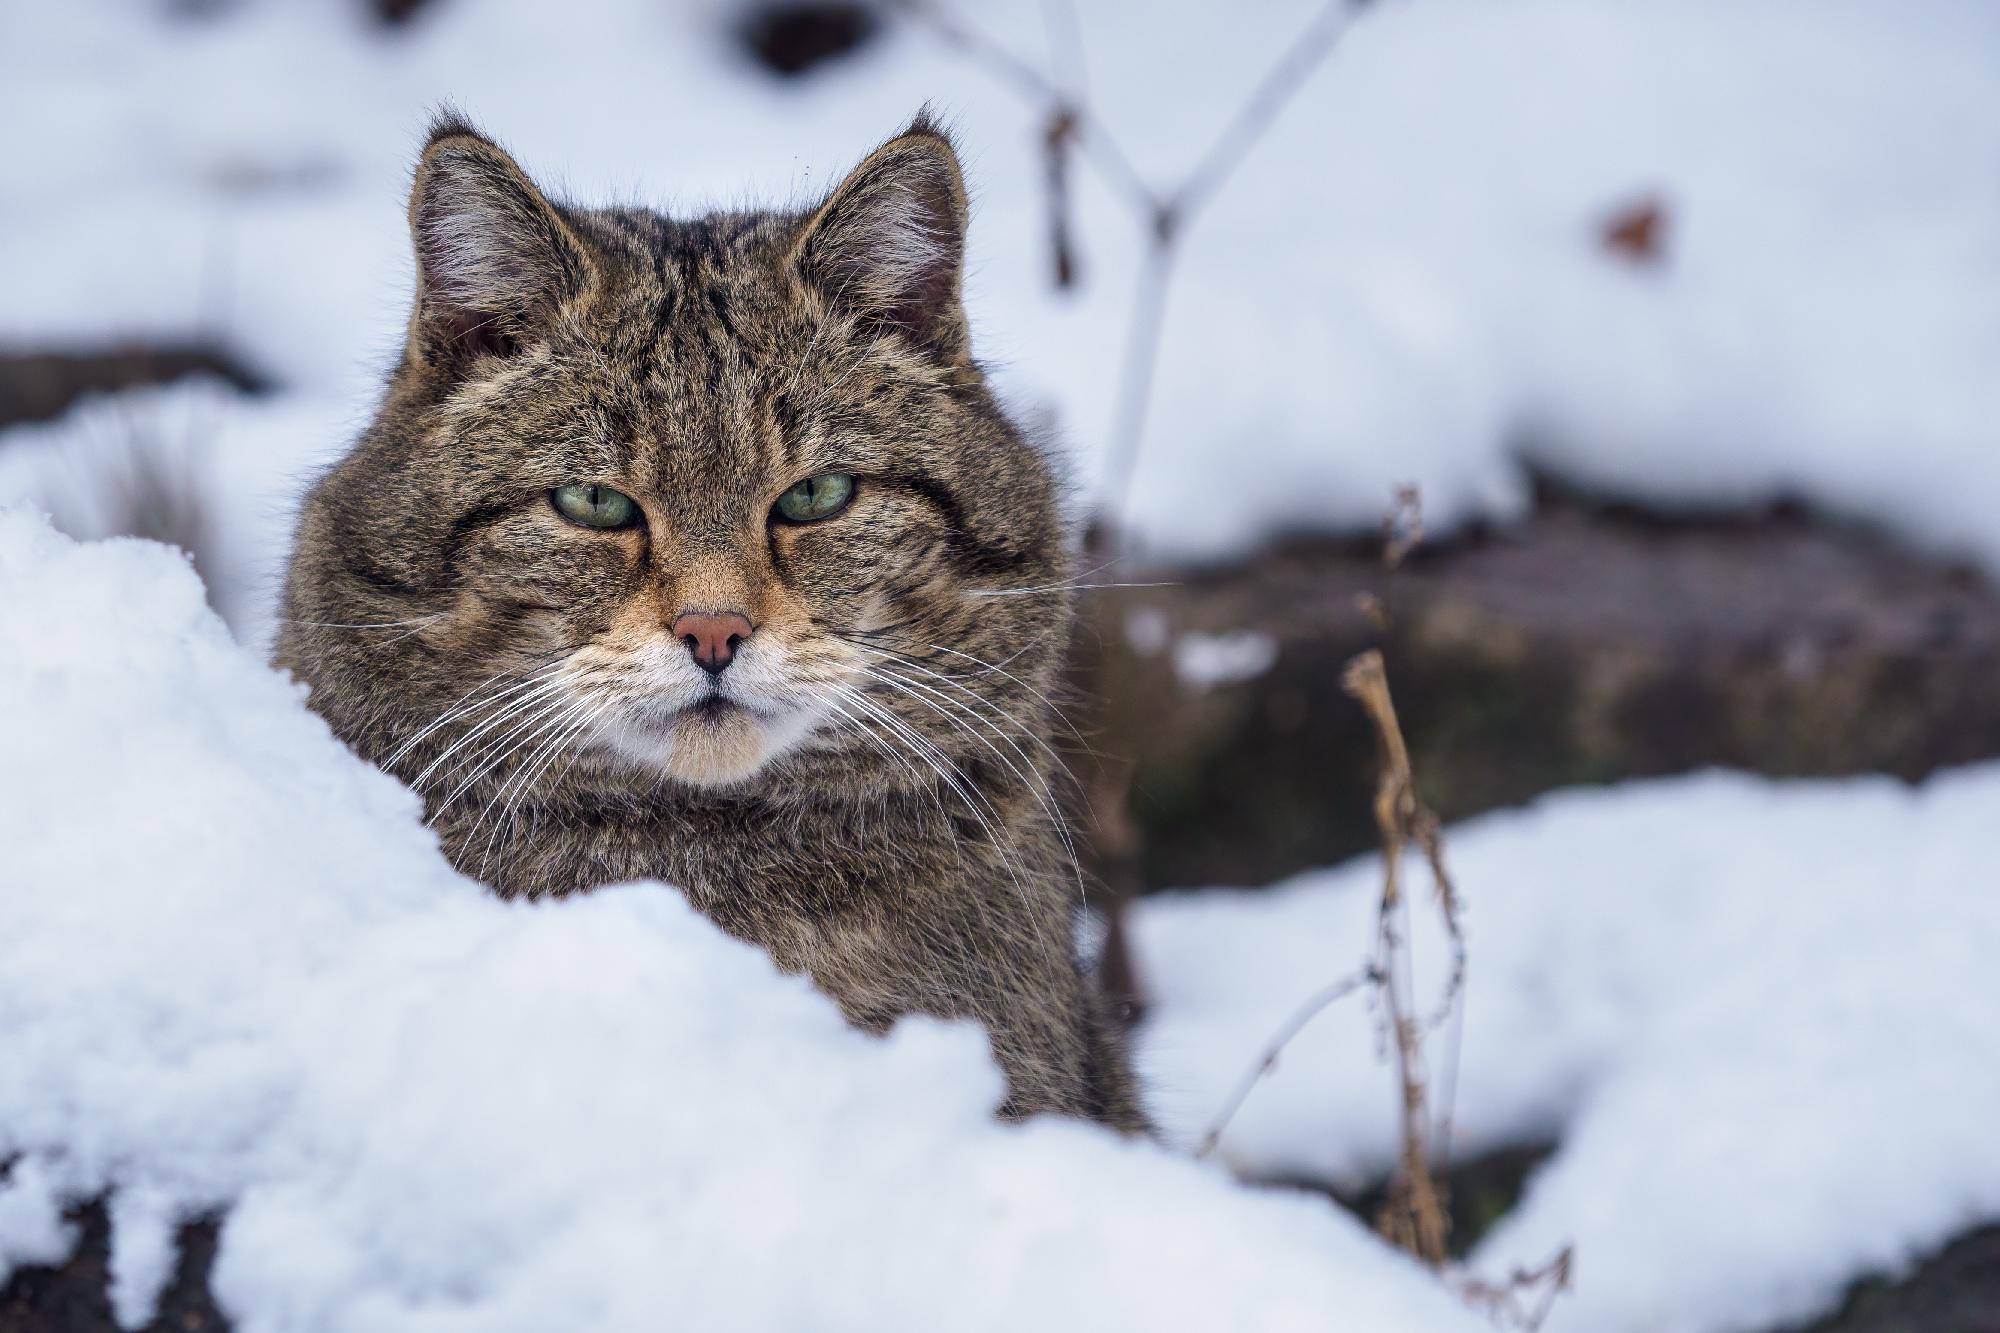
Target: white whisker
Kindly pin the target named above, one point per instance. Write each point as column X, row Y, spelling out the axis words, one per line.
column 941, row 764
column 539, row 707
column 459, row 707
column 574, row 721
column 1025, row 772
column 1058, row 587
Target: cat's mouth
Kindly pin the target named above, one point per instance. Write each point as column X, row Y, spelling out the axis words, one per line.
column 717, row 708
column 712, row 708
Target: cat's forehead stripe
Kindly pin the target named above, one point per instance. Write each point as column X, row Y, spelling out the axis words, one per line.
column 695, row 301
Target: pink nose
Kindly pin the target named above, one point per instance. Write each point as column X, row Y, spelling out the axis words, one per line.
column 711, row 637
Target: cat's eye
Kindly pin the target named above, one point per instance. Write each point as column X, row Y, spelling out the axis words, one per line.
column 816, row 498
column 595, row 506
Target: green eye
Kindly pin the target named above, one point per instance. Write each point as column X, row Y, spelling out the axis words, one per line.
column 816, row 498
column 595, row 506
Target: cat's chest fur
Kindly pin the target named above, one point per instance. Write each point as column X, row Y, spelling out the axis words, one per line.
column 890, row 906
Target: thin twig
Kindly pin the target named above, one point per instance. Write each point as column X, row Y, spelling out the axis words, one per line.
column 1135, row 377
column 1278, row 86
column 1071, row 73
column 1026, row 78
column 1505, row 1300
column 1163, row 215
column 1275, row 1047
column 1057, row 140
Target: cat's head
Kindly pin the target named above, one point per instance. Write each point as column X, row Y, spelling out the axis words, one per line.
column 719, row 502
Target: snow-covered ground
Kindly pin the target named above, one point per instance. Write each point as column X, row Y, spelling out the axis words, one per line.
column 237, row 972
column 1403, row 282
column 1759, row 1017
column 240, row 464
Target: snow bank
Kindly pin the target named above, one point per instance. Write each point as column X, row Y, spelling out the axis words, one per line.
column 236, row 973
column 1403, row 282
column 234, row 469
column 1759, row 1016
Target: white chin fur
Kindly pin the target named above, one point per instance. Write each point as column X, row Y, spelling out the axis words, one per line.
column 662, row 729
column 709, row 751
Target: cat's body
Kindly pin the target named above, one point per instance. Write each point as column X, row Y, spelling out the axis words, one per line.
column 700, row 552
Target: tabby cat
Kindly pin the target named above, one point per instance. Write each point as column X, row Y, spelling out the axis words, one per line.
column 701, row 551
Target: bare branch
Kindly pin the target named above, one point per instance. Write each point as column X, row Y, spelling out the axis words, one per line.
column 1275, row 1047
column 1057, row 140
column 1162, row 215
column 1135, row 379
column 1036, row 86
column 1278, row 86
column 1524, row 1299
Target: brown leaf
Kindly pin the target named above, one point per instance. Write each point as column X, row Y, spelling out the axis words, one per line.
column 1637, row 232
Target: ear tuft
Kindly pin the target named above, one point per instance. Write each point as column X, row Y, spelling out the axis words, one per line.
column 495, row 259
column 925, row 122
column 888, row 244
column 448, row 122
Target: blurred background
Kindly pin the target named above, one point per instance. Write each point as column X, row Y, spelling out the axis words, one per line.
column 1660, row 342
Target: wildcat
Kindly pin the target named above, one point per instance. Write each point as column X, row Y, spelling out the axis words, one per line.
column 701, row 551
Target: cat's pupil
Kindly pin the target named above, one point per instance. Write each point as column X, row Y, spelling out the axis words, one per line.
column 816, row 497
column 596, row 506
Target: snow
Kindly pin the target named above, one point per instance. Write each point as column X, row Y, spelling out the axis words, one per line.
column 240, row 464
column 1148, row 630
column 237, row 974
column 1401, row 283
column 1756, row 1016
column 1206, row 661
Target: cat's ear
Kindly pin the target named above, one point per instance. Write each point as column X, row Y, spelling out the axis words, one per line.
column 888, row 245
column 495, row 259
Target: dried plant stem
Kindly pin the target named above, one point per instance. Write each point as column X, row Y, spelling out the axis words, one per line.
column 1413, row 1216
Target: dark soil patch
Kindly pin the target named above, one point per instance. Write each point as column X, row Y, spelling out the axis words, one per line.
column 74, row 1297
column 1585, row 645
column 1956, row 1290
column 39, row 386
column 790, row 39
